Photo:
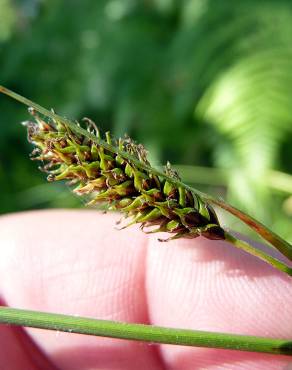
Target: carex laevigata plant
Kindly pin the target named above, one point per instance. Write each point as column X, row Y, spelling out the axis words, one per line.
column 117, row 173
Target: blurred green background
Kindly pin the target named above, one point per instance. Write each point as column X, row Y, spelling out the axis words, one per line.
column 205, row 84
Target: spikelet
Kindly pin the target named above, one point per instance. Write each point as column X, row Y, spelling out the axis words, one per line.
column 114, row 180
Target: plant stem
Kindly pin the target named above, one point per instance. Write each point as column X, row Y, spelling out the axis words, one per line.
column 277, row 242
column 148, row 333
column 258, row 253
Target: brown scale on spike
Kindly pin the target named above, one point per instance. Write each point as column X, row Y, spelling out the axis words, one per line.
column 109, row 178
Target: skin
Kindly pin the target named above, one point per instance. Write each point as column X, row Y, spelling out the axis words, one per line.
column 76, row 262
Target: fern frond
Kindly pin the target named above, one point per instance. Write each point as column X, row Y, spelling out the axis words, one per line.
column 250, row 106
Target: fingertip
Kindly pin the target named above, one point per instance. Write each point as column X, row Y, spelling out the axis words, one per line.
column 75, row 262
column 209, row 285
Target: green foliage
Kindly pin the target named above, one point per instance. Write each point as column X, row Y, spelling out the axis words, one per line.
column 199, row 82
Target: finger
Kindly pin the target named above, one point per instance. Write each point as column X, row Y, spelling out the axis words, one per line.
column 75, row 262
column 19, row 352
column 210, row 285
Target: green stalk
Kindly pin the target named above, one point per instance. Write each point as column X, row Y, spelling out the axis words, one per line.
column 258, row 253
column 275, row 240
column 147, row 333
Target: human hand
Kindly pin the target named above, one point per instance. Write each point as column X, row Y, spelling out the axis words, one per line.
column 75, row 262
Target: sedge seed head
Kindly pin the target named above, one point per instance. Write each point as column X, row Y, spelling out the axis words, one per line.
column 110, row 178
